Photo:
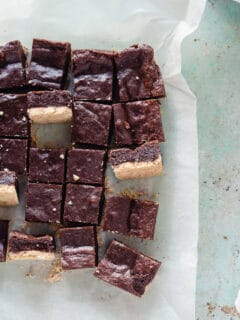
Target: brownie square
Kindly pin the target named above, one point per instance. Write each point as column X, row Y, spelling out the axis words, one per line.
column 22, row 246
column 138, row 75
column 43, row 202
column 93, row 74
column 77, row 247
column 85, row 166
column 126, row 268
column 49, row 64
column 49, row 106
column 3, row 239
column 13, row 115
column 13, row 155
column 91, row 123
column 82, row 203
column 8, row 189
column 12, row 65
column 46, row 165
column 137, row 122
column 130, row 217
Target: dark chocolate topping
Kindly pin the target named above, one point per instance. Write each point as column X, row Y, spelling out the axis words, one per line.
column 77, row 237
column 149, row 151
column 49, row 98
column 8, row 177
column 3, row 239
column 19, row 242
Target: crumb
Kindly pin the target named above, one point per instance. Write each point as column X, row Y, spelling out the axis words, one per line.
column 55, row 273
column 225, row 237
column 107, row 186
column 230, row 310
column 30, row 274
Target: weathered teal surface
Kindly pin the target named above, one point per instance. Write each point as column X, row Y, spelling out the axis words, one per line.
column 211, row 65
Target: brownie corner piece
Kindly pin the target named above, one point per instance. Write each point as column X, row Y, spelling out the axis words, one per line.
column 142, row 162
column 8, row 189
column 46, row 165
column 49, row 64
column 82, row 203
column 127, row 268
column 43, row 202
column 93, row 75
column 3, row 239
column 86, row 166
column 12, row 65
column 77, row 248
column 138, row 74
column 91, row 123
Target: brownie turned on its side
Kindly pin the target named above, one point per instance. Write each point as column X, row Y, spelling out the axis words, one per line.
column 46, row 165
column 13, row 115
column 43, row 203
column 77, row 247
column 3, row 239
column 91, row 123
column 82, row 203
column 8, row 189
column 13, row 155
column 85, row 166
column 49, row 64
column 93, row 75
column 22, row 246
column 131, row 217
column 137, row 122
column 12, row 65
column 126, row 268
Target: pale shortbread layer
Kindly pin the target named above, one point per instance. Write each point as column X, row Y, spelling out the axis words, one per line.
column 136, row 170
column 8, row 196
column 31, row 255
column 50, row 114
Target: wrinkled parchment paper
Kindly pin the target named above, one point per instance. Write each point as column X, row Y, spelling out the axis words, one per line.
column 24, row 294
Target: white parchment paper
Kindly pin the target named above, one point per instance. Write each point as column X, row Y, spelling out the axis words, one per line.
column 107, row 25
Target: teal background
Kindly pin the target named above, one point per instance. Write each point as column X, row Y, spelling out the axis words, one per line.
column 211, row 65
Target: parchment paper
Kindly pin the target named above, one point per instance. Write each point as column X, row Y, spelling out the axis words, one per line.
column 106, row 25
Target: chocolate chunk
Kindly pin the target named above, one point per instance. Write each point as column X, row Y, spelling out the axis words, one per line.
column 82, row 203
column 13, row 115
column 91, row 123
column 93, row 75
column 13, row 155
column 12, row 65
column 137, row 122
column 3, row 239
column 8, row 189
column 46, row 165
column 23, row 246
column 43, row 203
column 141, row 162
column 126, row 268
column 138, row 75
column 49, row 106
column 49, row 64
column 130, row 217
column 77, row 248
column 85, row 166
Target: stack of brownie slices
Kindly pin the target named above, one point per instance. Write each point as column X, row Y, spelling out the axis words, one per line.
column 114, row 113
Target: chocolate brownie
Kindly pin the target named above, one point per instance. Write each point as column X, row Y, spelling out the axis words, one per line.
column 77, row 247
column 93, row 74
column 126, row 268
column 22, row 246
column 3, row 239
column 131, row 217
column 85, row 166
column 49, row 106
column 138, row 75
column 8, row 189
column 141, row 162
column 137, row 122
column 13, row 115
column 43, row 202
column 12, row 65
column 82, row 204
column 46, row 165
column 49, row 64
column 91, row 123
column 13, row 155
